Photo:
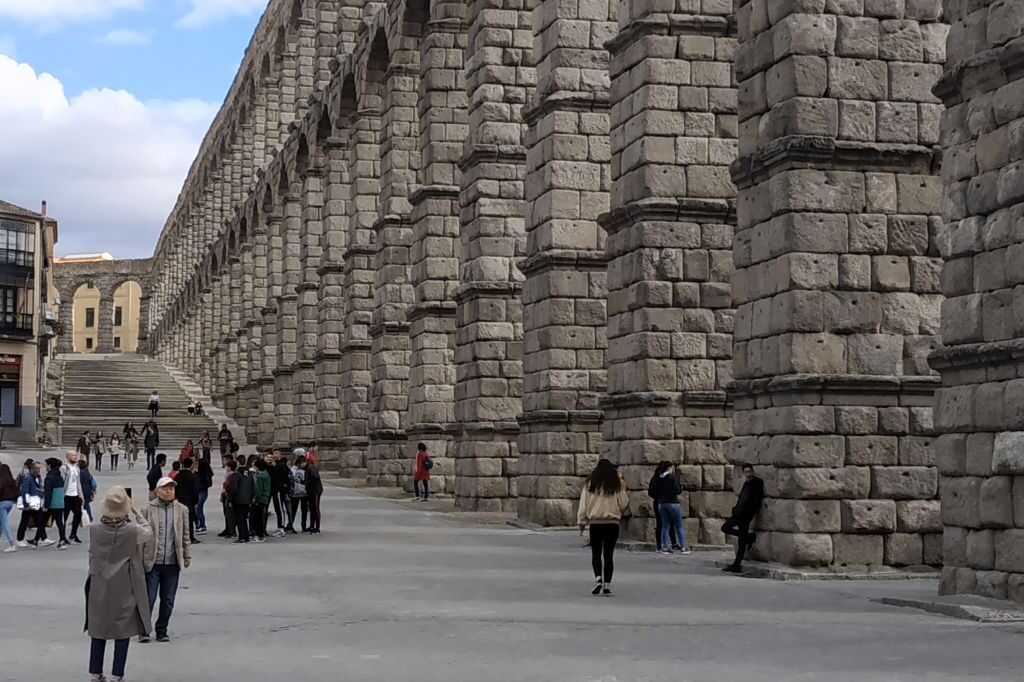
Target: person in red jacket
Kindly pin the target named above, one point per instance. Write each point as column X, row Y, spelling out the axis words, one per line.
column 422, row 472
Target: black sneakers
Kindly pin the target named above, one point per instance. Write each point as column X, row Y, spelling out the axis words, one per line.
column 598, row 586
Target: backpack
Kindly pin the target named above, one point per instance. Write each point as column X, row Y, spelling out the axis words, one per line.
column 428, row 463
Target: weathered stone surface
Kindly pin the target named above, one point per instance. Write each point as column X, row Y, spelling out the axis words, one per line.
column 978, row 409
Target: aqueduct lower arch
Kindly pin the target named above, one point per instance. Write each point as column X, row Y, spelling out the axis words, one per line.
column 105, row 277
column 704, row 232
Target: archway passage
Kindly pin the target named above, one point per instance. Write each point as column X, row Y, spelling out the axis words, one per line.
column 85, row 319
column 125, row 317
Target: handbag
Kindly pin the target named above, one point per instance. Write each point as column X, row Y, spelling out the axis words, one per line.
column 57, row 498
column 34, row 502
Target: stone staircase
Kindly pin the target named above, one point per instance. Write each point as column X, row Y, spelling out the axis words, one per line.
column 105, row 391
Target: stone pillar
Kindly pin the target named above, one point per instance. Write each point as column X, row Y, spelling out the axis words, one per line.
column 978, row 409
column 204, row 376
column 288, row 77
column 669, row 237
column 489, row 333
column 65, row 342
column 272, row 116
column 234, row 326
column 310, row 249
column 275, row 270
column 105, row 323
column 257, row 409
column 331, row 304
column 836, row 285
column 287, row 318
column 243, row 380
column 327, row 13
column 435, row 247
column 144, row 307
column 388, row 456
column 564, row 295
column 306, row 56
column 364, row 163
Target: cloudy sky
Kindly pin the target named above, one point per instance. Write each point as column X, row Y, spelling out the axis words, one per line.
column 103, row 104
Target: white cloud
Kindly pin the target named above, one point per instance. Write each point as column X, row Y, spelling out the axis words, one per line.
column 50, row 12
column 109, row 165
column 205, row 12
column 126, row 36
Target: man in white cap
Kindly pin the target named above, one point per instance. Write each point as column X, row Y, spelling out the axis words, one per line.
column 166, row 553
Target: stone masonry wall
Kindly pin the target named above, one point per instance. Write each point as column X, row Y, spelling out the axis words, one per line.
column 836, row 284
column 980, row 407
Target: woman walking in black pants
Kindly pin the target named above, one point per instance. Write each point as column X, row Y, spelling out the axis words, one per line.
column 602, row 504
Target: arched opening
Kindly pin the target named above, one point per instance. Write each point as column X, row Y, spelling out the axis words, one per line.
column 127, row 308
column 85, row 319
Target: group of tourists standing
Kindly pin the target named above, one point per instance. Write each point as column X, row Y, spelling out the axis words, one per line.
column 48, row 493
column 252, row 486
column 604, row 502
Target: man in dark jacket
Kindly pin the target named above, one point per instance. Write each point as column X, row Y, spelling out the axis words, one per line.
column 224, row 438
column 151, row 441
column 747, row 505
column 314, row 490
column 241, row 491
column 155, row 474
column 280, row 486
column 82, row 447
column 187, row 492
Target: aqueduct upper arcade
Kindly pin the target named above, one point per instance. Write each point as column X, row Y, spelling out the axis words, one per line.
column 534, row 234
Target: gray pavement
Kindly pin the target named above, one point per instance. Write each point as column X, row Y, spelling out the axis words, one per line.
column 390, row 592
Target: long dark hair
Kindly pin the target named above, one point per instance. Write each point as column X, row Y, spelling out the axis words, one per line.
column 605, row 478
column 6, row 476
column 664, row 466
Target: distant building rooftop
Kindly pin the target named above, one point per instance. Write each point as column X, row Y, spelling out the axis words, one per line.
column 9, row 208
column 84, row 257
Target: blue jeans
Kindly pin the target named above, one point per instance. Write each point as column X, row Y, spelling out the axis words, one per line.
column 5, row 523
column 200, row 514
column 163, row 579
column 671, row 518
column 99, row 647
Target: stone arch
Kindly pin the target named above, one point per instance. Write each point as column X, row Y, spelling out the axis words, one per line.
column 105, row 277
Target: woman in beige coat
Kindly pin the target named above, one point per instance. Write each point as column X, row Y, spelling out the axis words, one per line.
column 602, row 504
column 117, row 606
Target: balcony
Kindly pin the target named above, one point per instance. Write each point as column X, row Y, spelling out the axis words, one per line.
column 15, row 324
column 14, row 260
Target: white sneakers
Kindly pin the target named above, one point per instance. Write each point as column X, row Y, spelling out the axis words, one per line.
column 46, row 543
column 12, row 548
column 22, row 544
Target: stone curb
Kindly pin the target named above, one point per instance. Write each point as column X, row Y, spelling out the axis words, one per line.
column 999, row 612
column 786, row 573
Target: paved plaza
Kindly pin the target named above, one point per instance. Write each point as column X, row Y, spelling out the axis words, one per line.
column 391, row 592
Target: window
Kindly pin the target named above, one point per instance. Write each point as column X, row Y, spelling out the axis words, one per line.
column 118, row 316
column 13, row 319
column 88, row 343
column 17, row 243
column 90, row 317
column 117, row 342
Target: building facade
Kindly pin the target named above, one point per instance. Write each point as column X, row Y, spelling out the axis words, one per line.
column 28, row 317
column 530, row 235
